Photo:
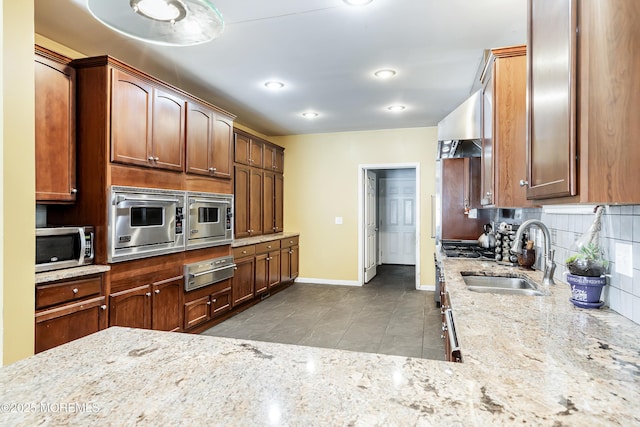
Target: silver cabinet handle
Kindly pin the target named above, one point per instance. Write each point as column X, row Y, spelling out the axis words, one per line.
column 208, row 302
column 157, row 291
column 103, row 307
column 150, row 158
column 74, row 190
column 212, row 169
column 155, row 159
column 523, row 183
column 148, row 294
column 75, row 290
column 214, row 300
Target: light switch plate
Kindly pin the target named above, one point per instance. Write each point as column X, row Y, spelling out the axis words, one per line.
column 624, row 259
column 338, row 220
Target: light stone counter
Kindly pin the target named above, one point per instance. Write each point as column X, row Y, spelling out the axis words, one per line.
column 261, row 239
column 528, row 361
column 70, row 273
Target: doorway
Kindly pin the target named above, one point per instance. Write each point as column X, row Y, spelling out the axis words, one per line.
column 388, row 218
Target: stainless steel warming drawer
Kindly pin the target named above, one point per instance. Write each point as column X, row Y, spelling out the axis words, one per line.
column 205, row 273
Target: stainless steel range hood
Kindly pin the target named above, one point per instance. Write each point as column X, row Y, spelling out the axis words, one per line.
column 460, row 133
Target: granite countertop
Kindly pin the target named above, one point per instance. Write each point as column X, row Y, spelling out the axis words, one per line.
column 70, row 273
column 261, row 239
column 528, row 361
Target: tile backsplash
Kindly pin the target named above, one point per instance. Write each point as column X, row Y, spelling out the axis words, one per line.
column 620, row 232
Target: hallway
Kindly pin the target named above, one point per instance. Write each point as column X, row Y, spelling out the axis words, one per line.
column 388, row 316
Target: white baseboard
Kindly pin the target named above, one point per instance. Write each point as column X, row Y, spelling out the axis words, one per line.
column 427, row 288
column 327, row 281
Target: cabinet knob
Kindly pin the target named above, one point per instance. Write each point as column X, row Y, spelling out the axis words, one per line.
column 244, row 252
column 103, row 307
column 235, row 268
column 208, row 302
column 214, row 300
column 155, row 159
column 523, row 183
column 489, row 193
column 212, row 170
column 74, row 191
column 157, row 291
column 268, row 246
column 150, row 158
column 75, row 290
column 148, row 294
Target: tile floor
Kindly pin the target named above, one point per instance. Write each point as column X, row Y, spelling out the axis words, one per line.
column 388, row 316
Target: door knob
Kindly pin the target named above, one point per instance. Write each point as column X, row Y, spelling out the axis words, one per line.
column 523, row 183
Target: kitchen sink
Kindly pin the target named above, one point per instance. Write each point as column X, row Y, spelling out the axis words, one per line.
column 501, row 285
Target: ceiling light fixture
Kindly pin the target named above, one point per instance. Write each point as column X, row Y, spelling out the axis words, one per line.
column 396, row 108
column 310, row 115
column 357, row 2
column 274, row 85
column 163, row 22
column 385, row 74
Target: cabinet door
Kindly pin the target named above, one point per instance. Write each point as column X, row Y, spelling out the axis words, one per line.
column 220, row 302
column 552, row 76
column 221, row 151
column 55, row 131
column 131, row 308
column 279, row 161
column 294, row 261
column 241, row 149
column 487, row 190
column 61, row 325
column 196, row 312
column 285, row 265
column 278, row 203
column 255, row 202
column 168, row 130
column 269, row 157
column 261, row 273
column 455, row 224
column 242, row 202
column 166, row 307
column 242, row 284
column 256, row 153
column 199, row 138
column 268, row 202
column 273, row 263
column 131, row 115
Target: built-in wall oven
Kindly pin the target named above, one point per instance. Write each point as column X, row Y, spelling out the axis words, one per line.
column 144, row 222
column 210, row 219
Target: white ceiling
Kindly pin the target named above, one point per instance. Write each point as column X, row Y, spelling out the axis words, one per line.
column 323, row 50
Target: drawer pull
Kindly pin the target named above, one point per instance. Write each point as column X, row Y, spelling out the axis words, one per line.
column 103, row 307
column 214, row 300
column 208, row 302
column 148, row 294
column 75, row 290
column 157, row 291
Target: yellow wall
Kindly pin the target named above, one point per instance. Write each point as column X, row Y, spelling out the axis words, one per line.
column 18, row 180
column 321, row 182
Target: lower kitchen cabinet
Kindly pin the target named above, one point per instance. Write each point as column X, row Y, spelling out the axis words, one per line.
column 154, row 306
column 243, row 281
column 206, row 304
column 68, row 310
column 267, row 266
column 289, row 258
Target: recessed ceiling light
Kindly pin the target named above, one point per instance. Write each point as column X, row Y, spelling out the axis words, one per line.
column 310, row 114
column 274, row 85
column 163, row 22
column 357, row 2
column 385, row 74
column 396, row 108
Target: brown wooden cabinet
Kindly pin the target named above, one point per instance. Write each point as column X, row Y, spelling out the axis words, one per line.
column 209, row 303
column 580, row 144
column 289, row 259
column 55, row 127
column 272, row 202
column 273, row 158
column 460, row 192
column 147, row 123
column 209, row 136
column 67, row 310
column 267, row 265
column 243, row 282
column 504, row 154
column 248, row 201
column 248, row 150
column 154, row 306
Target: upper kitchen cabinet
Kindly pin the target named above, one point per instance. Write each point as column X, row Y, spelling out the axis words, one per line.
column 55, row 128
column 504, row 155
column 273, row 158
column 147, row 123
column 584, row 100
column 248, row 150
column 209, row 139
column 460, row 192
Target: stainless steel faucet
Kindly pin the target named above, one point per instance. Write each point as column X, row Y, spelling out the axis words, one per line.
column 549, row 263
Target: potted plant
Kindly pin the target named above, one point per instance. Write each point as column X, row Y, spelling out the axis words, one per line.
column 587, row 268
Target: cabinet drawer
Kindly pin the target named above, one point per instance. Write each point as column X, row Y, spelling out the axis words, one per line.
column 267, row 246
column 244, row 251
column 197, row 312
column 59, row 293
column 291, row 241
column 220, row 302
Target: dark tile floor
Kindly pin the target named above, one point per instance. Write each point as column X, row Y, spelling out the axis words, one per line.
column 388, row 315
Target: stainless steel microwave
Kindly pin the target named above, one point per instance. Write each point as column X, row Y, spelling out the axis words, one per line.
column 210, row 219
column 144, row 222
column 63, row 247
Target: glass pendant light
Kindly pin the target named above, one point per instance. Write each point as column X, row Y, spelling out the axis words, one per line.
column 163, row 22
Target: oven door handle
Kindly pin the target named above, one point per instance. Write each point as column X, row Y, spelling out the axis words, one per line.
column 83, row 245
column 214, row 270
column 121, row 199
column 222, row 201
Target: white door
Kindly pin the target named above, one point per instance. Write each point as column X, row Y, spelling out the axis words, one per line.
column 398, row 221
column 371, row 221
